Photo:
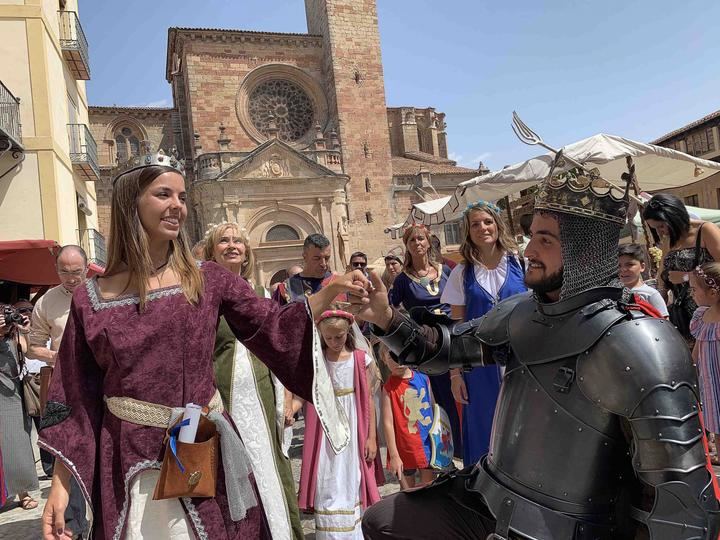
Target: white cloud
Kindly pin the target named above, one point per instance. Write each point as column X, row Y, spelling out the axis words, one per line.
column 455, row 157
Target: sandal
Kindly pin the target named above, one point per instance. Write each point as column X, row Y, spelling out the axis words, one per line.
column 28, row 503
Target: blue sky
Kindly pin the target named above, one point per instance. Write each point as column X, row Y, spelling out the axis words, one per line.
column 571, row 68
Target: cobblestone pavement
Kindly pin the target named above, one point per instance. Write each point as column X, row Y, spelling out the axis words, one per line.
column 19, row 524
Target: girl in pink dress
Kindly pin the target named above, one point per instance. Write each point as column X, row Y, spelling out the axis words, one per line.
column 705, row 328
column 337, row 488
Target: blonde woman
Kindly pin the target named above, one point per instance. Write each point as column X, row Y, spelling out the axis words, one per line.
column 138, row 343
column 250, row 392
column 490, row 272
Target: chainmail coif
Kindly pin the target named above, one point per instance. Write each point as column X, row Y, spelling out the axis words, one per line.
column 589, row 253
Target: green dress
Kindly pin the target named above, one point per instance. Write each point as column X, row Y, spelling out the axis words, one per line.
column 249, row 394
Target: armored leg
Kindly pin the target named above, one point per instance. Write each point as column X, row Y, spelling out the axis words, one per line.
column 445, row 510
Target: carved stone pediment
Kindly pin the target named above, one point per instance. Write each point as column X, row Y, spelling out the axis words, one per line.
column 276, row 160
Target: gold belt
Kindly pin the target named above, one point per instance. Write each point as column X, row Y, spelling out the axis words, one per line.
column 344, row 391
column 144, row 413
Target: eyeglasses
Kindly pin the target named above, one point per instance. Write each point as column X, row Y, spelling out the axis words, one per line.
column 359, row 264
column 74, row 273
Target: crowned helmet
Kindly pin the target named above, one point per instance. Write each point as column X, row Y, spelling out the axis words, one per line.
column 591, row 213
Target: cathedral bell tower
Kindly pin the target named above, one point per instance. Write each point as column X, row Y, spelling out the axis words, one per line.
column 355, row 90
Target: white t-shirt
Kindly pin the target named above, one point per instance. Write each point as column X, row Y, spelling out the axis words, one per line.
column 652, row 297
column 490, row 280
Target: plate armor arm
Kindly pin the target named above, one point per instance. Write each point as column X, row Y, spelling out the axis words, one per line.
column 642, row 370
column 440, row 344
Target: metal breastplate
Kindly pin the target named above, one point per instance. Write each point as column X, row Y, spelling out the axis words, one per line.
column 557, row 449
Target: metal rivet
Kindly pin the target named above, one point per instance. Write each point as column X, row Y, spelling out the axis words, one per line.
column 659, row 435
column 582, row 378
column 535, row 389
column 657, row 411
column 579, row 429
column 564, row 493
column 657, row 339
column 539, row 484
column 637, row 324
column 672, row 382
column 609, row 334
column 555, row 411
column 627, row 368
column 642, row 389
column 605, row 443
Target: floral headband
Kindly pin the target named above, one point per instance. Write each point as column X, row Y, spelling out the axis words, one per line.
column 480, row 205
column 330, row 313
column 710, row 282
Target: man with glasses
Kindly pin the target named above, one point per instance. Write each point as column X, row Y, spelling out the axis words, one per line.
column 358, row 261
column 46, row 330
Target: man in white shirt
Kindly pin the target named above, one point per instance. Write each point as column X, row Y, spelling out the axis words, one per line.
column 631, row 261
column 46, row 330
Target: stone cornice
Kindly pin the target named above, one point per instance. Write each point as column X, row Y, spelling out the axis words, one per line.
column 177, row 37
column 134, row 111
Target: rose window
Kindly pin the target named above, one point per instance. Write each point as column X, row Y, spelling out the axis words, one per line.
column 285, row 103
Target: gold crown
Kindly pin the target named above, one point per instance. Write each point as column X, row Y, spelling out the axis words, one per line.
column 582, row 192
column 147, row 159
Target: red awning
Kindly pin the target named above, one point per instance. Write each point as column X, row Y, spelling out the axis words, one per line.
column 32, row 262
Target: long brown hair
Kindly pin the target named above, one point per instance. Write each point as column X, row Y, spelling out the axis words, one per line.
column 471, row 253
column 128, row 246
column 213, row 237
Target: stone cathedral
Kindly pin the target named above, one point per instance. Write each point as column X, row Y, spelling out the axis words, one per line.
column 288, row 134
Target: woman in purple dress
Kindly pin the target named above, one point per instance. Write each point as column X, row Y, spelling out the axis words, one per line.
column 138, row 344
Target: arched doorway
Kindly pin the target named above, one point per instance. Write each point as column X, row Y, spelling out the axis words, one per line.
column 278, row 277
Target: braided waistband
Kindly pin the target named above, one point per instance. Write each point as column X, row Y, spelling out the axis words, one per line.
column 344, row 391
column 144, row 413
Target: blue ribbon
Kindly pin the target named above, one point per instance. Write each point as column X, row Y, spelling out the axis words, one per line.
column 173, row 441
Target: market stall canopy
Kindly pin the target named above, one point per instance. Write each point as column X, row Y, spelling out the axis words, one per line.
column 656, row 167
column 32, row 262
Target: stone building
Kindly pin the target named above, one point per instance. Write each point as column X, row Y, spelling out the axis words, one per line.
column 289, row 134
column 702, row 139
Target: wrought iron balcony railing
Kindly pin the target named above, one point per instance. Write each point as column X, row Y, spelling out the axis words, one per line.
column 94, row 245
column 10, row 133
column 74, row 45
column 83, row 152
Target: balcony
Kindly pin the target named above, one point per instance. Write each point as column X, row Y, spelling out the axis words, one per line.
column 10, row 134
column 94, row 245
column 83, row 152
column 74, row 45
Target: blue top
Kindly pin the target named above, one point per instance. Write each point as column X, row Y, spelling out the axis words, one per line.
column 479, row 301
column 410, row 292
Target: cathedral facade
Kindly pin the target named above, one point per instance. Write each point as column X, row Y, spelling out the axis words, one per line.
column 288, row 134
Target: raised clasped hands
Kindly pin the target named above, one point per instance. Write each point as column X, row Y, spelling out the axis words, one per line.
column 374, row 307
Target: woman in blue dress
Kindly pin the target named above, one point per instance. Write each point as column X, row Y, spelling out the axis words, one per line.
column 419, row 288
column 490, row 272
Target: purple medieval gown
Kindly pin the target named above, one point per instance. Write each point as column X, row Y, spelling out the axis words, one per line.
column 164, row 356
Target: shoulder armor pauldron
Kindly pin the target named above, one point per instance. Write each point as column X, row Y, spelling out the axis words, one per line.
column 493, row 328
column 634, row 358
column 537, row 338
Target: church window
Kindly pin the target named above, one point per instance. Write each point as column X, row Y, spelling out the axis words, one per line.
column 127, row 144
column 368, row 185
column 281, row 233
column 285, row 104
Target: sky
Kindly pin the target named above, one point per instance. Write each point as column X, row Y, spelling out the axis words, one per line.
column 571, row 68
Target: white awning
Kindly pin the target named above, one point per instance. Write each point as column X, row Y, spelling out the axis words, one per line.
column 656, row 168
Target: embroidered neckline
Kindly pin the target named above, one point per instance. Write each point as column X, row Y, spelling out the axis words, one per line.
column 98, row 302
column 431, row 285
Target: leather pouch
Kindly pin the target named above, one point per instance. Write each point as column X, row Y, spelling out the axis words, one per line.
column 198, row 459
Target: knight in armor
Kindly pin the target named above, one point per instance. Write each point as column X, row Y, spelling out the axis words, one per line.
column 597, row 432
